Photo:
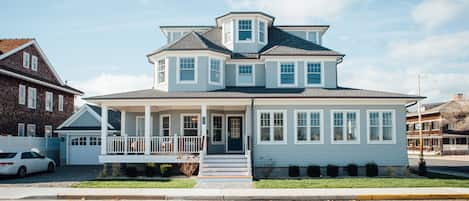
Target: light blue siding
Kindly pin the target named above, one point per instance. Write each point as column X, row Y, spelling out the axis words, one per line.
column 284, row 155
column 85, row 120
column 259, row 79
column 247, row 47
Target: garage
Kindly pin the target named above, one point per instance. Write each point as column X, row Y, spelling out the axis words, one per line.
column 84, row 150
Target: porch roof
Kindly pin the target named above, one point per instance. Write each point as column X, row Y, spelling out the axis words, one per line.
column 259, row 92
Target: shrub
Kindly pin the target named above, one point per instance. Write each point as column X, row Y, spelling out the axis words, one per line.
column 189, row 169
column 150, row 170
column 293, row 171
column 314, row 171
column 131, row 171
column 164, row 169
column 332, row 170
column 391, row 171
column 352, row 170
column 115, row 170
column 371, row 170
column 422, row 171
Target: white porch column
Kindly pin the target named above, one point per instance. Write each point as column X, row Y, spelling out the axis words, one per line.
column 123, row 133
column 104, row 122
column 147, row 129
column 203, row 115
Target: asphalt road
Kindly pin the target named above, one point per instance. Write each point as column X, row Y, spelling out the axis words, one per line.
column 444, row 164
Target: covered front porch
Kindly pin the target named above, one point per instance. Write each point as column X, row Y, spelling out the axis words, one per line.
column 175, row 131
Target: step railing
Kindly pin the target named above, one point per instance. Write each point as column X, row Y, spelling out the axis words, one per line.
column 158, row 144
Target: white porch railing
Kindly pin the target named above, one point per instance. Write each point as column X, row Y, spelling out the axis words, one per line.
column 159, row 144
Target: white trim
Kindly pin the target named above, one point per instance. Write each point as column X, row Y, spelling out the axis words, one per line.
column 243, row 126
column 161, row 124
column 230, row 24
column 244, row 61
column 186, row 53
column 317, row 37
column 268, row 58
column 76, row 115
column 357, row 134
column 306, row 73
column 380, row 126
column 222, row 128
column 80, row 132
column 32, row 94
column 295, row 74
column 331, row 101
column 26, row 60
column 221, row 68
column 49, row 97
column 252, row 30
column 178, row 69
column 34, row 63
column 182, row 122
column 165, row 71
column 61, row 103
column 24, row 130
column 253, row 67
column 271, row 121
column 308, row 126
column 22, row 94
column 265, row 31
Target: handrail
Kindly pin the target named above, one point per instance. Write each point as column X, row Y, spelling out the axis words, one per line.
column 158, row 144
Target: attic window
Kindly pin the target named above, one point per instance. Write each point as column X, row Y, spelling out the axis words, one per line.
column 245, row 30
column 312, row 36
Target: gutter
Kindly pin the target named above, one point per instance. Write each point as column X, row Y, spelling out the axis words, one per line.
column 411, row 104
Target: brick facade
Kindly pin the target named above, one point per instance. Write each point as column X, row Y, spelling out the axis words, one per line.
column 426, row 118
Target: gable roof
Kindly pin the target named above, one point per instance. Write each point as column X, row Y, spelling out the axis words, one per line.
column 95, row 111
column 7, row 45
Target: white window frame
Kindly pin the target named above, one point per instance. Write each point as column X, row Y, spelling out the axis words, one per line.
column 308, row 125
column 295, row 74
column 165, row 71
column 222, row 66
column 271, row 121
column 182, row 122
column 161, row 124
column 21, row 127
column 34, row 63
column 321, row 84
column 345, row 141
column 49, row 98
column 178, row 71
column 22, row 94
column 252, row 30
column 26, row 60
column 224, row 25
column 439, row 125
column 137, row 127
column 222, row 128
column 46, row 127
column 380, row 126
column 253, row 66
column 317, row 37
column 264, row 31
column 27, row 130
column 32, row 97
column 61, row 103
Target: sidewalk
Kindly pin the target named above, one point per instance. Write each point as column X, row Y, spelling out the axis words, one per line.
column 234, row 194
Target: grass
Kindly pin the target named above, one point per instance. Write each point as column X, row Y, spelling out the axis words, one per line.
column 361, row 183
column 171, row 183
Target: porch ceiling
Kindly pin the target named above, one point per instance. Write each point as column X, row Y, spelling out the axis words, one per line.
column 182, row 107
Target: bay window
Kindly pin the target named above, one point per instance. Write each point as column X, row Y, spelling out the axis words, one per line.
column 161, row 68
column 215, row 73
column 262, row 32
column 228, row 32
column 187, row 70
column 244, row 30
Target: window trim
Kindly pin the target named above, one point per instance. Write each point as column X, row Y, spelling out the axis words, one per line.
column 317, row 37
column 182, row 122
column 22, row 94
column 285, row 127
column 252, row 30
column 222, row 128
column 136, row 126
column 253, row 83
column 306, row 73
column 259, row 31
column 24, row 130
column 178, row 71
column 229, row 23
column 30, row 96
column 34, row 63
column 381, row 141
column 308, row 125
column 295, row 74
column 51, row 99
column 222, row 67
column 61, row 103
column 357, row 141
column 26, row 60
column 27, row 130
column 161, row 124
column 165, row 71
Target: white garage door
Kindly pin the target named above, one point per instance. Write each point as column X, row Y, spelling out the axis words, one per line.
column 84, row 150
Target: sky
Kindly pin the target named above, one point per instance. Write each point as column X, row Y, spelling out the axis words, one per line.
column 99, row 47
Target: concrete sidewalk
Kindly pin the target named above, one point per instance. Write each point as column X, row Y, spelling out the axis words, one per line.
column 234, row 194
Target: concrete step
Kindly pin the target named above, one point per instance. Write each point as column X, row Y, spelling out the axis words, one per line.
column 231, row 156
column 225, row 165
column 234, row 160
column 224, row 173
column 225, row 169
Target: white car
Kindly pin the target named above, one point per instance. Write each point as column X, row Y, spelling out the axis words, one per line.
column 23, row 163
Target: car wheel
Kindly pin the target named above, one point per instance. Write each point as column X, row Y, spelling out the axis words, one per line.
column 21, row 172
column 51, row 167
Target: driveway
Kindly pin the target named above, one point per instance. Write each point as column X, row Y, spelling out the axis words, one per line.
column 62, row 177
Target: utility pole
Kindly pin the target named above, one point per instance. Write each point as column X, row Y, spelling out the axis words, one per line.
column 420, row 123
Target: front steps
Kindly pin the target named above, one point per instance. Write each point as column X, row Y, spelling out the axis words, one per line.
column 225, row 168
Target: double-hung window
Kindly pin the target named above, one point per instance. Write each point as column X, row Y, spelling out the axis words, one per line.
column 187, row 71
column 345, row 127
column 34, row 63
column 49, row 101
column 61, row 103
column 287, row 74
column 32, row 98
column 313, row 73
column 26, row 60
column 262, row 32
column 228, row 32
column 140, row 125
column 21, row 129
column 161, row 71
column 22, row 94
column 272, row 127
column 215, row 71
column 245, row 30
column 165, row 125
column 217, row 129
column 190, row 124
column 31, row 130
column 309, row 126
column 381, row 127
column 245, row 75
column 312, row 36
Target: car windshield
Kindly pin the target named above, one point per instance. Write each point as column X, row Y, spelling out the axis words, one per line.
column 7, row 155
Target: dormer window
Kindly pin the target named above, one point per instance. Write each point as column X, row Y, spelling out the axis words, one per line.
column 228, row 32
column 245, row 30
column 262, row 32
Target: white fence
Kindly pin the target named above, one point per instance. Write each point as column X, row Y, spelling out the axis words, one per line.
column 49, row 147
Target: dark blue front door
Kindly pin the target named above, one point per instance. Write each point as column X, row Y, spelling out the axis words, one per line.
column 235, row 134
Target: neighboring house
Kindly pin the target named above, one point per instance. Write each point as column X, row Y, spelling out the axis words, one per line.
column 82, row 135
column 247, row 95
column 445, row 127
column 34, row 98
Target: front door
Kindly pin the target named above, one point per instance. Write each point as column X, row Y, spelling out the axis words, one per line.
column 235, row 134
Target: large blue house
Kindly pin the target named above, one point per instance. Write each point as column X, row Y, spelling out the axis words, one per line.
column 246, row 96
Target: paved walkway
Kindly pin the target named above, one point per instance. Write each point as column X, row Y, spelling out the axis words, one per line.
column 233, row 194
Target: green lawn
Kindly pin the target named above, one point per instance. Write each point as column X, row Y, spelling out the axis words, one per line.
column 361, row 183
column 172, row 183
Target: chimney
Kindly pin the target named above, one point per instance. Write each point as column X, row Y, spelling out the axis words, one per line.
column 458, row 97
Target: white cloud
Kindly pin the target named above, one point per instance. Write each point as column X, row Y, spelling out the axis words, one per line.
column 113, row 83
column 433, row 13
column 294, row 11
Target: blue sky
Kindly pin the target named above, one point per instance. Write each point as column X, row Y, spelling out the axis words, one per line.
column 100, row 46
